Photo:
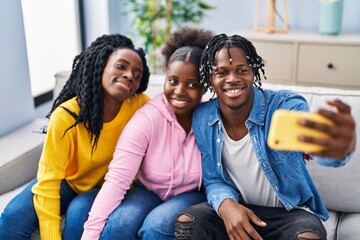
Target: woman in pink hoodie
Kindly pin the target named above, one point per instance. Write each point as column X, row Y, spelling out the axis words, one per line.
column 157, row 147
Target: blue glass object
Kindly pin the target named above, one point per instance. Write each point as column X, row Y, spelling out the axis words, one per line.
column 331, row 17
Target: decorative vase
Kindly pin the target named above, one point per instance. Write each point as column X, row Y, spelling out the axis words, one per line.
column 331, row 12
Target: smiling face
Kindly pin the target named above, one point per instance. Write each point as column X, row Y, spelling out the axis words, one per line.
column 182, row 87
column 233, row 79
column 122, row 74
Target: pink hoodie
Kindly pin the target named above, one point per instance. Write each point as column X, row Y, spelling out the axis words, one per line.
column 155, row 148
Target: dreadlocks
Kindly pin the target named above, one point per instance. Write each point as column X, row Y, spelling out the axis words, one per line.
column 208, row 64
column 85, row 82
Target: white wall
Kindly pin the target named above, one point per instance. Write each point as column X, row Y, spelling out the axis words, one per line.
column 16, row 102
column 96, row 18
column 53, row 39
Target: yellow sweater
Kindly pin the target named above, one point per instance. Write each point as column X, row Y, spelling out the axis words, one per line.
column 69, row 157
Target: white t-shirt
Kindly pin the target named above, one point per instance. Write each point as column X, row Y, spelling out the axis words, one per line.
column 244, row 169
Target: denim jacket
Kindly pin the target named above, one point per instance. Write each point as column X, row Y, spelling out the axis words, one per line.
column 286, row 171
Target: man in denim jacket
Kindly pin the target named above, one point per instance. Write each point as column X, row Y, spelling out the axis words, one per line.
column 255, row 192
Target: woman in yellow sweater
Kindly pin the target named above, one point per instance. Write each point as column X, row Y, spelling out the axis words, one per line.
column 103, row 92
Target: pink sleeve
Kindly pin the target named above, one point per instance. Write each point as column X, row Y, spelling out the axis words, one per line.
column 126, row 161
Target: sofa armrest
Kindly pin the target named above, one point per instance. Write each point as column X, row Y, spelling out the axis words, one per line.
column 20, row 152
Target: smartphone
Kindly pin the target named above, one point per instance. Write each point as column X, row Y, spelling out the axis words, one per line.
column 285, row 130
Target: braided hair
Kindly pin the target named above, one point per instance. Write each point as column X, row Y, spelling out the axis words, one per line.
column 208, row 64
column 85, row 82
column 186, row 45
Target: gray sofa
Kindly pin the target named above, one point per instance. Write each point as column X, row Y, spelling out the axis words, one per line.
column 339, row 187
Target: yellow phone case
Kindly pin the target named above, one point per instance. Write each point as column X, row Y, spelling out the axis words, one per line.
column 285, row 130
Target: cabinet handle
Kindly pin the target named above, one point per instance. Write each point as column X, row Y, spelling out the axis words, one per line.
column 330, row 66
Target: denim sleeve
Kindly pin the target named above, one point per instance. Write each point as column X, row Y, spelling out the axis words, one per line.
column 294, row 101
column 217, row 188
column 333, row 162
column 216, row 193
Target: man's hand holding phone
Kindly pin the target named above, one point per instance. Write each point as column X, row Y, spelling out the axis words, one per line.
column 342, row 134
column 325, row 133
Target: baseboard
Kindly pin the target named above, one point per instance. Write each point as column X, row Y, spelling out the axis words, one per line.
column 43, row 98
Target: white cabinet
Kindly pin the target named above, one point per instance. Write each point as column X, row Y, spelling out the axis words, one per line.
column 278, row 59
column 309, row 58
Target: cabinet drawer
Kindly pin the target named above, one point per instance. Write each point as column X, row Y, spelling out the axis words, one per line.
column 278, row 59
column 329, row 64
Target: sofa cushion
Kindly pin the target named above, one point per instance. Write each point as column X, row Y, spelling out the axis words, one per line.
column 331, row 225
column 349, row 226
column 19, row 155
column 338, row 187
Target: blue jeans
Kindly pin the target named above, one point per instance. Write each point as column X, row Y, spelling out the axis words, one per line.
column 281, row 224
column 19, row 218
column 142, row 214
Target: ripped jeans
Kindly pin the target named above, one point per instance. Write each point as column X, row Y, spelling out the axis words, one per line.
column 281, row 224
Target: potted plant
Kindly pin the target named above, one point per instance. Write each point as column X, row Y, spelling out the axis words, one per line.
column 155, row 18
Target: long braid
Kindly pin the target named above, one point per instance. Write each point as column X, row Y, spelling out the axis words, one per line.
column 85, row 82
column 208, row 64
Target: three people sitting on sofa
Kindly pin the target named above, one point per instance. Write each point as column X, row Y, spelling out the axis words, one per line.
column 251, row 189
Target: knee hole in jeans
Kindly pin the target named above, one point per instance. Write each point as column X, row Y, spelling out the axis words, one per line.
column 308, row 236
column 185, row 218
column 184, row 224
